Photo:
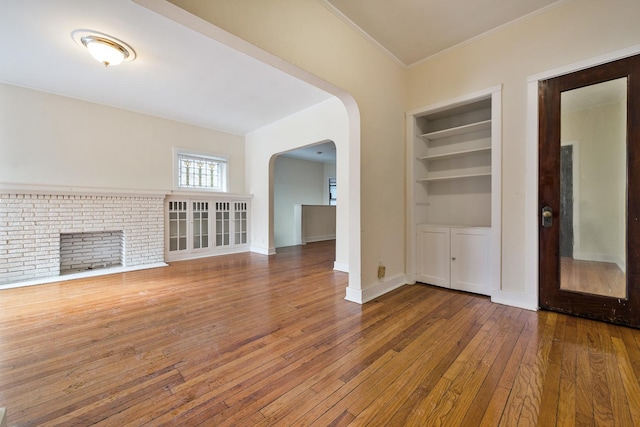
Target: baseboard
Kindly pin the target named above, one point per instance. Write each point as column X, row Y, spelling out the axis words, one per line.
column 340, row 266
column 82, row 275
column 182, row 257
column 362, row 296
column 622, row 266
column 311, row 239
column 593, row 256
column 499, row 299
column 263, row 251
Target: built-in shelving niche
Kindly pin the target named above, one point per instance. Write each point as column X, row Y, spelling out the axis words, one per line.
column 452, row 149
column 454, row 171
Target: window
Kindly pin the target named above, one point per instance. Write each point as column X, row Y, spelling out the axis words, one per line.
column 202, row 172
column 333, row 192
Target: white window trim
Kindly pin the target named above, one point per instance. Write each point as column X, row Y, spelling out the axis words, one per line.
column 211, row 156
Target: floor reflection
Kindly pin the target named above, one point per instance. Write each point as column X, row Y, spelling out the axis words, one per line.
column 592, row 277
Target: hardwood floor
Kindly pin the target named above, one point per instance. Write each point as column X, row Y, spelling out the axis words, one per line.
column 592, row 277
column 251, row 340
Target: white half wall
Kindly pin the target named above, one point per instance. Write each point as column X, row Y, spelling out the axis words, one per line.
column 318, row 223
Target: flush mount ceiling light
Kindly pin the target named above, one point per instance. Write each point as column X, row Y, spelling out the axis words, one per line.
column 105, row 49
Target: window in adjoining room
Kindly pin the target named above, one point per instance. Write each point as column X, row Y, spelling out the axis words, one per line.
column 333, row 192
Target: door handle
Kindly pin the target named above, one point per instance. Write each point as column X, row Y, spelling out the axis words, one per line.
column 547, row 217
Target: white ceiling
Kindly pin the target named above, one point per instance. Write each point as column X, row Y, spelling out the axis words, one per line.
column 183, row 75
column 178, row 74
column 596, row 95
column 322, row 153
column 412, row 30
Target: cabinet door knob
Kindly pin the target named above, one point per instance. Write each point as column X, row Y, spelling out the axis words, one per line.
column 453, row 258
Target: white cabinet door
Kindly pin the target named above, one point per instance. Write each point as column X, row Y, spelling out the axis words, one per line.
column 433, row 255
column 470, row 249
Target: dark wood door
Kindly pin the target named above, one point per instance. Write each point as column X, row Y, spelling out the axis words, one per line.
column 598, row 109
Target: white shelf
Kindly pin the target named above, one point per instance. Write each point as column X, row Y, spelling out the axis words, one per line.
column 456, row 154
column 459, row 130
column 455, row 181
column 454, row 177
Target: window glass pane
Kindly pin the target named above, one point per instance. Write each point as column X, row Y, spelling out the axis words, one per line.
column 195, row 171
column 177, row 225
column 333, row 191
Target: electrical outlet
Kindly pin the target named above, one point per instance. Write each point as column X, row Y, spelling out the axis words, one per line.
column 382, row 270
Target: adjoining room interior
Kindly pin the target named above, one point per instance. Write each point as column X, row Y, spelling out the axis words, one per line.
column 305, row 195
column 155, row 262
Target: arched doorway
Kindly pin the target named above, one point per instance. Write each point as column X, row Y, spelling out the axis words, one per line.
column 304, row 203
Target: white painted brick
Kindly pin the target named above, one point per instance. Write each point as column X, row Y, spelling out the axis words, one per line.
column 12, row 264
column 43, row 217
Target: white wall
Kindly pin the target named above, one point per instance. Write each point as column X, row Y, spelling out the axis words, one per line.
column 47, row 139
column 574, row 31
column 307, row 35
column 296, row 182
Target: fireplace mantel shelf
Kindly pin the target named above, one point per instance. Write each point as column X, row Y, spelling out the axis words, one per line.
column 15, row 188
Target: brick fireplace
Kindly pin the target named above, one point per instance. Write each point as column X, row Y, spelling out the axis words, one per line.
column 31, row 226
column 90, row 251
